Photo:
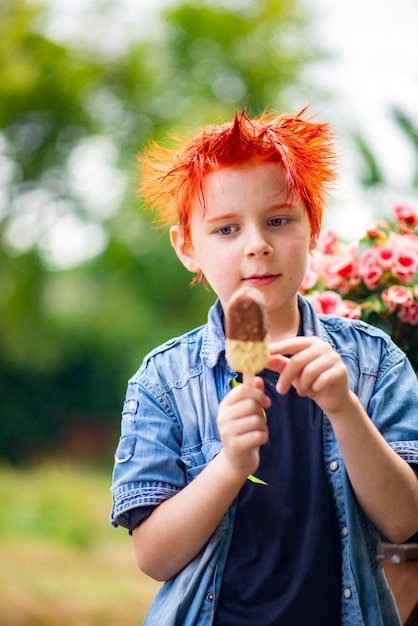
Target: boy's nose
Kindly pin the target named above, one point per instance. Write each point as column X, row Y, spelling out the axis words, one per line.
column 258, row 246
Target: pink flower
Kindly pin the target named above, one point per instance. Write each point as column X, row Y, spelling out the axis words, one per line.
column 344, row 265
column 327, row 241
column 397, row 256
column 405, row 214
column 310, row 278
column 374, row 278
column 325, row 302
column 336, row 270
column 405, row 258
column 369, row 268
column 395, row 296
column 331, row 303
column 384, row 254
column 349, row 309
column 408, row 313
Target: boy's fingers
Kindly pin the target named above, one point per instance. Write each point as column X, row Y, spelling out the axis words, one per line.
column 245, row 392
column 300, row 351
column 277, row 363
column 292, row 345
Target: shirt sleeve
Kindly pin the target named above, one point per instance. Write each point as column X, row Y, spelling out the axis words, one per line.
column 393, row 408
column 136, row 516
column 148, row 466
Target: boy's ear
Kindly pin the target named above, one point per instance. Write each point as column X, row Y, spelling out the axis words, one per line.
column 313, row 241
column 184, row 248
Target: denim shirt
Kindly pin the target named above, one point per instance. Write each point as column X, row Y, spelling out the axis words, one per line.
column 169, row 434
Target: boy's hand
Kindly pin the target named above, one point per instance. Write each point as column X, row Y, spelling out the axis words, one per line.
column 314, row 369
column 242, row 426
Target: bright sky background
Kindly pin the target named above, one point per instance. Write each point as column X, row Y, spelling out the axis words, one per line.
column 375, row 68
column 374, row 45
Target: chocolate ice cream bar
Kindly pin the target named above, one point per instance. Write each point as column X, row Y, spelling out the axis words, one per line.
column 246, row 333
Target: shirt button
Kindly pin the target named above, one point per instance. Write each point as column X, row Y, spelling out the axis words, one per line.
column 347, row 593
column 210, row 597
column 344, row 531
column 333, row 466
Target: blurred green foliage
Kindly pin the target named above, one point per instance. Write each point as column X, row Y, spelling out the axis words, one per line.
column 71, row 336
column 62, row 563
column 47, row 510
column 372, row 174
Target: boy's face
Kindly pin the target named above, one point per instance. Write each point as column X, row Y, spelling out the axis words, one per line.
column 251, row 232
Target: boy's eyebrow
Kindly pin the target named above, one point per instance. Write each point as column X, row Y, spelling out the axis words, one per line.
column 228, row 216
column 224, row 216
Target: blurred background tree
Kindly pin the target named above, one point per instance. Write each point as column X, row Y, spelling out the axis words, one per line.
column 87, row 286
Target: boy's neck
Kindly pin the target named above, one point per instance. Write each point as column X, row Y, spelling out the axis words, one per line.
column 285, row 324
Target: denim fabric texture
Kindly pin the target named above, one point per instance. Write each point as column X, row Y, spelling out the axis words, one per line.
column 169, row 435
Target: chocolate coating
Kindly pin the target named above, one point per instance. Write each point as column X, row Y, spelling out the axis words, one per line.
column 245, row 316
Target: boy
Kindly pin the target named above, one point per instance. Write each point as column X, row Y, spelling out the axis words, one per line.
column 263, row 506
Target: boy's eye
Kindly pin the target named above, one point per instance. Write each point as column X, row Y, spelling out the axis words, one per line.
column 227, row 230
column 277, row 221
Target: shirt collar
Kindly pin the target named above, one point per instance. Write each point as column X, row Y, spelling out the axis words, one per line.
column 311, row 324
column 213, row 344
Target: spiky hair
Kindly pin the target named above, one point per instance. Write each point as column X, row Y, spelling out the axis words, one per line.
column 171, row 180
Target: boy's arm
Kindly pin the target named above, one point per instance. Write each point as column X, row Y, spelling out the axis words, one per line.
column 385, row 485
column 178, row 528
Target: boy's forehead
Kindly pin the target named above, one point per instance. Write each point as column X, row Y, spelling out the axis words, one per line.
column 228, row 182
column 224, row 188
column 222, row 175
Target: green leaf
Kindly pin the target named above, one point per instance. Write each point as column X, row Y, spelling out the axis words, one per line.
column 256, row 480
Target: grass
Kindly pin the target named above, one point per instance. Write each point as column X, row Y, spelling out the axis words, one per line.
column 61, row 563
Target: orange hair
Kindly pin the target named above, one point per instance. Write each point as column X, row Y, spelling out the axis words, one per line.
column 172, row 179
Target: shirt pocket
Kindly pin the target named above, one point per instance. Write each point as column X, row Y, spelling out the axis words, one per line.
column 126, row 448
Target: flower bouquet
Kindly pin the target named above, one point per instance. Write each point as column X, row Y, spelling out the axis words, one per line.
column 374, row 279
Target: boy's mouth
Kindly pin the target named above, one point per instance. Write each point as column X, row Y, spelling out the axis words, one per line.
column 260, row 280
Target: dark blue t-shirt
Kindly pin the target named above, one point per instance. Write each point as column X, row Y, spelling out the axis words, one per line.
column 284, row 563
